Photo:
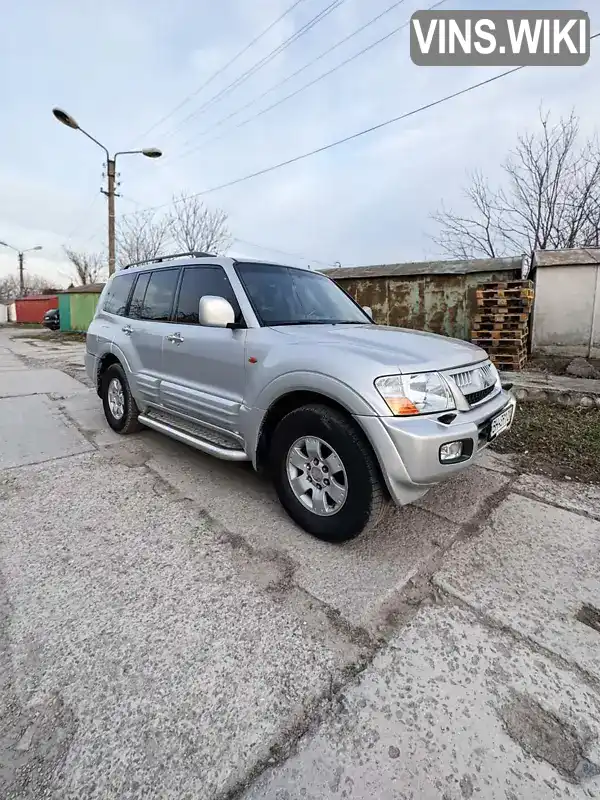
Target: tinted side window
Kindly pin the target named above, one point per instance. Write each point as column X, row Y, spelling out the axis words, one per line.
column 160, row 293
column 136, row 306
column 200, row 281
column 117, row 294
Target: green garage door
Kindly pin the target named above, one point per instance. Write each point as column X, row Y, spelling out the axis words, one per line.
column 83, row 308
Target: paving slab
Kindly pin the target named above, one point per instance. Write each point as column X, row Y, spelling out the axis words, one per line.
column 357, row 578
column 9, row 361
column 33, row 430
column 85, row 409
column 533, row 568
column 558, row 389
column 450, row 711
column 465, row 497
column 18, row 383
column 581, row 497
column 498, row 462
column 154, row 662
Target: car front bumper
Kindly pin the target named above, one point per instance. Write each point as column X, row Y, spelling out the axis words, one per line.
column 408, row 448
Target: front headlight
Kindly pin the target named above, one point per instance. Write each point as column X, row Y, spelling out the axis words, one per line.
column 422, row 393
column 495, row 374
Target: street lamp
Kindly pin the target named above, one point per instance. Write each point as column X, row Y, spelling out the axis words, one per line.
column 21, row 254
column 149, row 152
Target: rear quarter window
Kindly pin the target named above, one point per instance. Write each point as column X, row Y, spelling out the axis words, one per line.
column 117, row 294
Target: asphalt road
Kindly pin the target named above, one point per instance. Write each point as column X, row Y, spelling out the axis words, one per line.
column 167, row 632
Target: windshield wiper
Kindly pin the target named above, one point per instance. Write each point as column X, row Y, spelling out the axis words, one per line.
column 302, row 322
column 318, row 322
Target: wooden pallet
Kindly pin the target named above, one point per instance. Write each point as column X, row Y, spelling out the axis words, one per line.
column 508, row 363
column 499, row 305
column 485, row 319
column 496, row 285
column 511, row 334
column 507, row 294
column 478, row 327
column 513, row 343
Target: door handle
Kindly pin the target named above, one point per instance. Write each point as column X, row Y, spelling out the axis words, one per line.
column 127, row 329
column 175, row 337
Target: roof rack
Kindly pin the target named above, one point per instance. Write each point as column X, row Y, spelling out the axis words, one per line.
column 159, row 259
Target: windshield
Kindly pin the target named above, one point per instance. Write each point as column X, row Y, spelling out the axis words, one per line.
column 288, row 296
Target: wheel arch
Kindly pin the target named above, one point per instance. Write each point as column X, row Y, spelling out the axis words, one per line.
column 104, row 362
column 290, row 401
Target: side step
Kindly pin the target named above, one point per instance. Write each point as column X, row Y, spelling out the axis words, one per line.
column 194, row 436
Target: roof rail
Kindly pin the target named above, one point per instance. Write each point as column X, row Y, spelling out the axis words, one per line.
column 158, row 259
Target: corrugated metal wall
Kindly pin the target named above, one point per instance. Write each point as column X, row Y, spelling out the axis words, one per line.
column 32, row 309
column 77, row 310
column 437, row 303
column 64, row 309
column 83, row 308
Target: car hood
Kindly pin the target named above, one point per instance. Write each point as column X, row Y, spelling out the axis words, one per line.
column 407, row 350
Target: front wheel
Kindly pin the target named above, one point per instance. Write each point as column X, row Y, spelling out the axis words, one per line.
column 325, row 473
column 120, row 409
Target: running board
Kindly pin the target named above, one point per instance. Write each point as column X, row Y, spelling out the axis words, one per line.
column 226, row 453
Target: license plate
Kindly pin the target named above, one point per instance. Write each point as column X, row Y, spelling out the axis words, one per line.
column 501, row 423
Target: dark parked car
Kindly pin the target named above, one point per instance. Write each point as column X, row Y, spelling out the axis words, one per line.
column 52, row 319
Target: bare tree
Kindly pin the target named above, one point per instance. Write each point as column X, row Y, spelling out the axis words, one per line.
column 34, row 284
column 194, row 226
column 550, row 199
column 140, row 236
column 88, row 267
column 9, row 289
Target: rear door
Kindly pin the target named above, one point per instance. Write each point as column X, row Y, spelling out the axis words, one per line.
column 204, row 367
column 106, row 330
column 150, row 311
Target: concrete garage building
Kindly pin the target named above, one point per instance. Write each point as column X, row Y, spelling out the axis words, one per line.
column 435, row 296
column 566, row 312
column 77, row 306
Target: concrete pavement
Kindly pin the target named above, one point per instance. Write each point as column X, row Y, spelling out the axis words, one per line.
column 167, row 632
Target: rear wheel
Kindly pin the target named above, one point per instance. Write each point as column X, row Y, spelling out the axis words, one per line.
column 120, row 409
column 325, row 473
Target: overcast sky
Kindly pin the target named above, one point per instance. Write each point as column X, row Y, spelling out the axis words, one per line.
column 119, row 66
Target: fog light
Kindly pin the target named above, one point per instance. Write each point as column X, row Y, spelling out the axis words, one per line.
column 451, row 451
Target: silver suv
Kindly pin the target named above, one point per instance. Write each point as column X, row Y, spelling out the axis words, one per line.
column 278, row 366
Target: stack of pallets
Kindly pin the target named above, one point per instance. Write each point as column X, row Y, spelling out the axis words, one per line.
column 501, row 324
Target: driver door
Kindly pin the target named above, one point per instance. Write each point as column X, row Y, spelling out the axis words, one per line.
column 204, row 368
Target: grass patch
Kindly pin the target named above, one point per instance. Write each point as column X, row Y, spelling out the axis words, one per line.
column 62, row 337
column 23, row 326
column 556, row 441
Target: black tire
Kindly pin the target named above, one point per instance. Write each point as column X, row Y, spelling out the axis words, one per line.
column 365, row 501
column 128, row 423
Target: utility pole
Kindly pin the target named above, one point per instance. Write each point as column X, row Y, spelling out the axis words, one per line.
column 21, row 256
column 110, row 194
column 111, row 173
column 21, row 276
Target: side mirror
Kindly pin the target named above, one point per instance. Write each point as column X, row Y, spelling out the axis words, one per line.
column 215, row 312
column 368, row 311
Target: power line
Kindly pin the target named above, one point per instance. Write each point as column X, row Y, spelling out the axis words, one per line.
column 82, row 219
column 222, row 69
column 261, row 63
column 350, row 138
column 305, row 86
column 353, row 136
column 306, row 66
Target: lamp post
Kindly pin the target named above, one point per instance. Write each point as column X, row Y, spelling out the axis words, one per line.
column 149, row 152
column 21, row 254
